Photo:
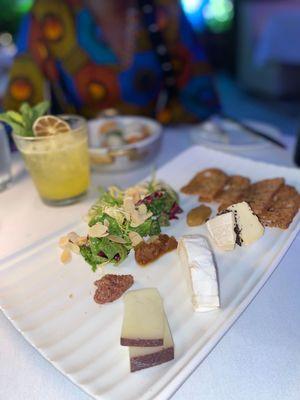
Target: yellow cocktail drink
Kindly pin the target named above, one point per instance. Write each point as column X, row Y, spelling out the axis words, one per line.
column 58, row 164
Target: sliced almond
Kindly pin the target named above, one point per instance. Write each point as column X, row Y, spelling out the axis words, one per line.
column 128, row 204
column 63, row 241
column 73, row 237
column 115, row 213
column 142, row 209
column 116, row 239
column 73, row 247
column 82, row 240
column 135, row 238
column 136, row 192
column 98, row 230
column 138, row 218
column 65, row 256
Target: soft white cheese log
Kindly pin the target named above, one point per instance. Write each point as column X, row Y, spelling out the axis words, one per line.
column 145, row 357
column 249, row 227
column 197, row 261
column 221, row 229
column 143, row 323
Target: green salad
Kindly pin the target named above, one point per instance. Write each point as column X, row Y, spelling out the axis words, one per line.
column 120, row 219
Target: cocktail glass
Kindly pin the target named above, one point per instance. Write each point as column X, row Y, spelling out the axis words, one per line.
column 58, row 164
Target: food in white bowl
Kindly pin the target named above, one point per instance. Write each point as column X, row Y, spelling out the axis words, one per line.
column 115, row 132
column 121, row 143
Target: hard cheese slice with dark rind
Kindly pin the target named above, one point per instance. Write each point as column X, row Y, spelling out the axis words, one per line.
column 143, row 323
column 145, row 357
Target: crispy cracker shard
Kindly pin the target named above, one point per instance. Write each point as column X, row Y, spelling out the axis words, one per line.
column 235, row 189
column 260, row 194
column 283, row 208
column 207, row 184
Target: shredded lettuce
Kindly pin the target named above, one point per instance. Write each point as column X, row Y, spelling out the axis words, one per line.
column 114, row 228
column 104, row 250
column 161, row 204
column 90, row 258
column 143, row 229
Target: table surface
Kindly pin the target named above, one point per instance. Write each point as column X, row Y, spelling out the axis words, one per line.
column 259, row 356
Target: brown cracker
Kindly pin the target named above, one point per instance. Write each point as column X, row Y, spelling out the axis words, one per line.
column 233, row 191
column 278, row 218
column 283, row 208
column 260, row 194
column 286, row 197
column 207, row 184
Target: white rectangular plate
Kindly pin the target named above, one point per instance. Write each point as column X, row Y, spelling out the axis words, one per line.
column 52, row 305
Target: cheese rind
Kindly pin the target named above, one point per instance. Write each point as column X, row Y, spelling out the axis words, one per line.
column 249, row 227
column 221, row 229
column 197, row 260
column 145, row 357
column 143, row 323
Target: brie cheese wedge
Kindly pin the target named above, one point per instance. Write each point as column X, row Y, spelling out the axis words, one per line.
column 197, row 261
column 249, row 229
column 221, row 229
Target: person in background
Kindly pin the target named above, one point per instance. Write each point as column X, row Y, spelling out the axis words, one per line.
column 140, row 57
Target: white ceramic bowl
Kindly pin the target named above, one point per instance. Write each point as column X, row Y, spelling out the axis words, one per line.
column 123, row 157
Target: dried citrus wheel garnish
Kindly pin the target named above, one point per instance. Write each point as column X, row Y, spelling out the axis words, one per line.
column 48, row 125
